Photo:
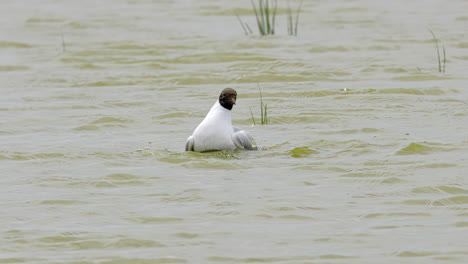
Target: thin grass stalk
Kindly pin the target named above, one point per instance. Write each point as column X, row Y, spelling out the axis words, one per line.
column 250, row 30
column 289, row 19
column 261, row 104
column 262, row 16
column 251, row 114
column 293, row 19
column 242, row 24
column 261, row 110
column 297, row 17
column 445, row 59
column 274, row 17
column 267, row 16
column 437, row 47
column 257, row 16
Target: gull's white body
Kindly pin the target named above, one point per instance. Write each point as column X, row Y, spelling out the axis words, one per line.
column 216, row 132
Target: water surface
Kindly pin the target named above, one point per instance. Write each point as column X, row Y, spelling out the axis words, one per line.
column 364, row 161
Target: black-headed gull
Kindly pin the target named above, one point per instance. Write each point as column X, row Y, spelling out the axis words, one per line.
column 216, row 132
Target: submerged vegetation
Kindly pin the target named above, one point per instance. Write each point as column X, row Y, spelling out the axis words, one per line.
column 441, row 65
column 265, row 14
column 264, row 119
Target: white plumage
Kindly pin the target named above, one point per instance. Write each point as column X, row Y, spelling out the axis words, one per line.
column 216, row 132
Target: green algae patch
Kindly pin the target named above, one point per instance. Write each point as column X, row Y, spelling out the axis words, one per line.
column 135, row 243
column 415, row 148
column 87, row 128
column 88, row 66
column 420, row 77
column 119, row 179
column 148, row 220
column 415, row 254
column 12, row 260
column 108, row 119
column 13, row 68
column 186, row 235
column 144, row 261
column 61, row 202
column 462, row 45
column 302, row 152
column 121, row 176
column 392, row 180
column 9, row 44
column 451, row 201
column 461, row 224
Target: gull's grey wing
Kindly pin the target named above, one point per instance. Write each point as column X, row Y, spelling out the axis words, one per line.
column 190, row 144
column 243, row 139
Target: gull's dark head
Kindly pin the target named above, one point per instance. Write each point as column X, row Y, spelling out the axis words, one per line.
column 228, row 98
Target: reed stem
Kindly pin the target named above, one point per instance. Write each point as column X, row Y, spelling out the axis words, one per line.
column 441, row 68
column 265, row 14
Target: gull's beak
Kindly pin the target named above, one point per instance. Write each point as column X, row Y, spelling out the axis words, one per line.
column 233, row 100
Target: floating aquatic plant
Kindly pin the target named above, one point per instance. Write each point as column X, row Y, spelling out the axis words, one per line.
column 293, row 21
column 441, row 65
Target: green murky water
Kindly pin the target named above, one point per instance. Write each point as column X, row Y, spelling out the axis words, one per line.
column 365, row 160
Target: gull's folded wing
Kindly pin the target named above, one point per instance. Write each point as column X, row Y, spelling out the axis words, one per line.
column 243, row 139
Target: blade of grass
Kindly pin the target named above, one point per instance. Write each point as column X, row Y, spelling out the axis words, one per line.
column 251, row 114
column 261, row 103
column 242, row 24
column 264, row 119
column 257, row 16
column 297, row 17
column 437, row 47
column 289, row 20
column 250, row 30
column 261, row 112
column 445, row 59
column 267, row 16
column 274, row 18
column 262, row 16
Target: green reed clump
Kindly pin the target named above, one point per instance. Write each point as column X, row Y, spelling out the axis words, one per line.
column 293, row 21
column 265, row 13
column 441, row 65
column 264, row 118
